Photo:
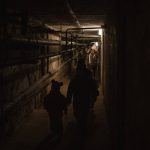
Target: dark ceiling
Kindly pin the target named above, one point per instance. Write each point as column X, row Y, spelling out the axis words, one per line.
column 62, row 13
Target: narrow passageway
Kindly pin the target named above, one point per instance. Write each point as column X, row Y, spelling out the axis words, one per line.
column 43, row 40
column 34, row 134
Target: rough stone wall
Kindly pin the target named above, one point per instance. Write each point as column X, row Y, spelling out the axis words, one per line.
column 23, row 78
column 16, row 80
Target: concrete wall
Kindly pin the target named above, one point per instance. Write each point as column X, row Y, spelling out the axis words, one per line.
column 24, row 85
column 110, row 82
column 138, row 73
column 127, row 75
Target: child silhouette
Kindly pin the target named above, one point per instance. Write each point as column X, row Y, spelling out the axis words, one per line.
column 55, row 105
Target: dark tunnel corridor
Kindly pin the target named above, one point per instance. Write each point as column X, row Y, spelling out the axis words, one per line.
column 100, row 45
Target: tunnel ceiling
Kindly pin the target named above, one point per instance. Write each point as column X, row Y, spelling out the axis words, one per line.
column 61, row 13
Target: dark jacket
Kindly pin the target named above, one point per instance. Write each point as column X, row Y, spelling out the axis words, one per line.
column 55, row 104
column 80, row 89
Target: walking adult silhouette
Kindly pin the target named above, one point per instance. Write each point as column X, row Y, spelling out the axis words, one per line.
column 80, row 89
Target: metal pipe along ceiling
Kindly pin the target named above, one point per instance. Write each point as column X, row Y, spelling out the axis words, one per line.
column 72, row 13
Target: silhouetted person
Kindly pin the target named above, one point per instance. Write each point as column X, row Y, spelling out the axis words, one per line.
column 55, row 104
column 80, row 89
column 95, row 93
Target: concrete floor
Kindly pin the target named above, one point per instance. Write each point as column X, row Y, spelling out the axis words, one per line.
column 34, row 133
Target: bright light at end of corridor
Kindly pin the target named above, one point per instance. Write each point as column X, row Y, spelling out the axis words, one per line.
column 100, row 32
column 96, row 43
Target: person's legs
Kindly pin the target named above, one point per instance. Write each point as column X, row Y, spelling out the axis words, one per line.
column 82, row 123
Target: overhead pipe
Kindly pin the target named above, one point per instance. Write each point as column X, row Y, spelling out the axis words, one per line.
column 75, row 29
column 38, row 41
column 72, row 13
column 51, row 28
column 87, row 36
column 34, row 60
column 44, row 42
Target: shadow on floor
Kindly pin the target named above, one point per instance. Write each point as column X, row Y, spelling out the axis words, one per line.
column 50, row 142
column 71, row 140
